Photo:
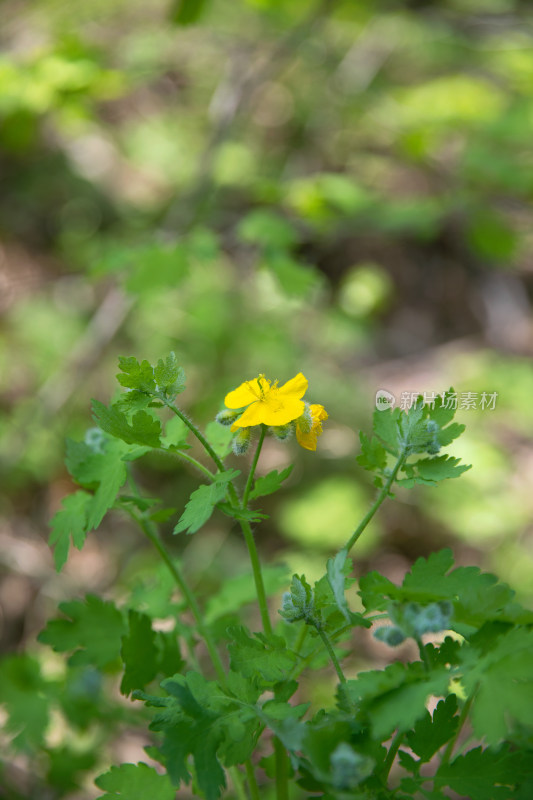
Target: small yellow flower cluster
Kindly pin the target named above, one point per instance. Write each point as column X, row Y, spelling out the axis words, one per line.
column 266, row 403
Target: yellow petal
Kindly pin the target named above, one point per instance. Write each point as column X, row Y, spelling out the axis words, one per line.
column 270, row 411
column 296, row 387
column 318, row 413
column 252, row 416
column 248, row 392
column 279, row 410
column 307, row 440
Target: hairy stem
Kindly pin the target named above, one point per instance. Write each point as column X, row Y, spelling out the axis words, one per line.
column 380, row 498
column 258, row 576
column 253, row 467
column 334, row 660
column 190, row 460
column 282, row 771
column 151, row 533
column 199, row 435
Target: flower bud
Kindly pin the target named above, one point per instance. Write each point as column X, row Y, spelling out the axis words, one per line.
column 283, row 432
column 227, row 417
column 95, row 439
column 241, row 442
column 305, row 422
column 389, row 635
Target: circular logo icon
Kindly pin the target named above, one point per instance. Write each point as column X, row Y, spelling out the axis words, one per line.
column 384, row 400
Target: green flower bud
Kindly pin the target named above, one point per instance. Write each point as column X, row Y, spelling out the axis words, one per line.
column 305, row 422
column 241, row 441
column 389, row 635
column 227, row 417
column 283, row 432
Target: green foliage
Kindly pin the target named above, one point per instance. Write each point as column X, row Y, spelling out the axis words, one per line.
column 484, row 774
column 203, row 501
column 424, row 428
column 82, row 632
column 145, row 653
column 260, row 655
column 144, row 429
column 69, row 522
column 198, row 720
column 268, row 484
column 23, row 693
column 134, row 782
column 204, row 727
column 169, row 376
column 431, row 733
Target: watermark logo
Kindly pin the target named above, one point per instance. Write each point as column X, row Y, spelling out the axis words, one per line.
column 466, row 401
column 384, row 400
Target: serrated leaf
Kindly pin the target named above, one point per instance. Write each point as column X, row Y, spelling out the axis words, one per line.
column 428, row 471
column 430, row 734
column 144, row 429
column 192, row 722
column 502, row 680
column 69, row 522
column 133, row 400
column 251, row 515
column 484, row 774
column 264, row 656
column 270, row 483
column 169, row 376
column 203, row 501
column 135, row 375
column 373, row 455
column 94, row 630
column 395, row 698
column 385, row 426
column 375, row 589
column 138, row 653
column 112, row 476
column 135, row 782
column 477, row 597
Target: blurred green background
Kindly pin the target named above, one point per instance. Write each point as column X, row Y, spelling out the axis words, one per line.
column 338, row 188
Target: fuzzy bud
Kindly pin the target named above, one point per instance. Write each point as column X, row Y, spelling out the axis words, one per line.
column 283, row 432
column 305, row 422
column 241, row 441
column 227, row 417
column 389, row 635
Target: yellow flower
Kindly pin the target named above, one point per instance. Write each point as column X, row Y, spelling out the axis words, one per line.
column 309, row 426
column 267, row 403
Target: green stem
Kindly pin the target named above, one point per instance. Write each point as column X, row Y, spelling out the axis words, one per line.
column 258, row 576
column 150, row 532
column 238, row 783
column 462, row 719
column 282, row 770
column 199, row 435
column 391, row 755
column 252, row 782
column 334, row 660
column 250, row 542
column 253, row 467
column 195, row 463
column 380, row 498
